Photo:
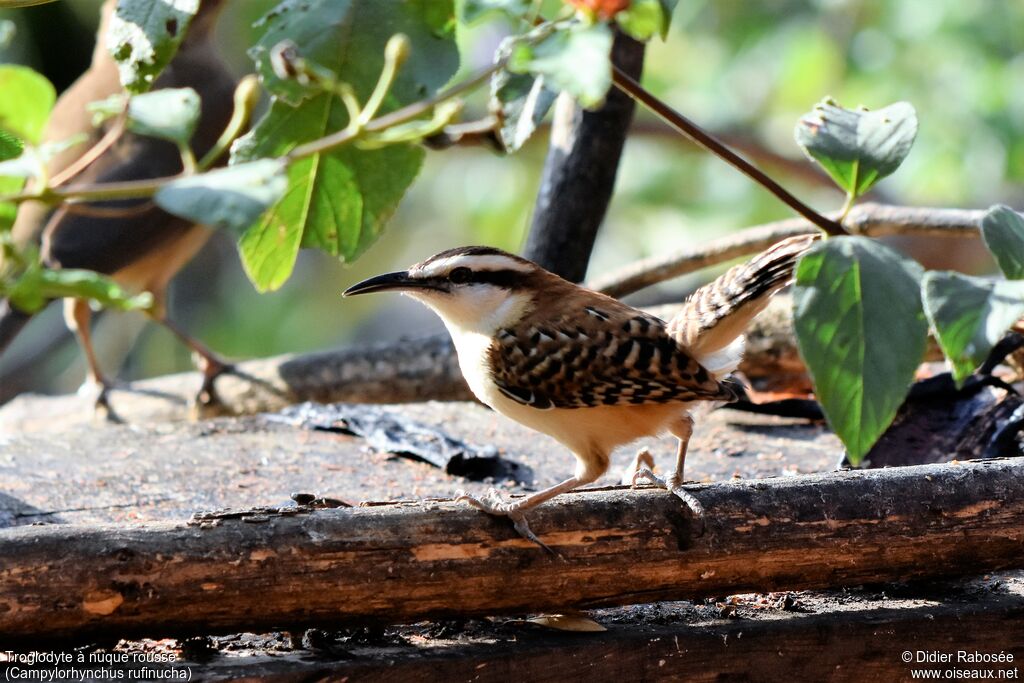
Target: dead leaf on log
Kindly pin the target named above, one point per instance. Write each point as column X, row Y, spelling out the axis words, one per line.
column 390, row 432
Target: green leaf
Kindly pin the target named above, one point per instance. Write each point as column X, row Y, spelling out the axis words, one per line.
column 338, row 201
column 644, row 19
column 10, row 146
column 168, row 114
column 519, row 101
column 970, row 315
column 230, row 197
column 857, row 148
column 1002, row 228
column 348, row 38
column 576, row 60
column 862, row 333
column 143, row 37
column 37, row 286
column 471, row 11
column 668, row 7
column 26, row 103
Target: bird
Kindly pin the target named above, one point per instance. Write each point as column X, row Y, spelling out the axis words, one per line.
column 139, row 245
column 583, row 367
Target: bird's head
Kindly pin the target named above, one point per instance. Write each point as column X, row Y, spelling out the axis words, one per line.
column 476, row 289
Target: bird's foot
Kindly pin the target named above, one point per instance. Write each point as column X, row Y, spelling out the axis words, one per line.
column 493, row 504
column 99, row 391
column 673, row 485
column 207, row 401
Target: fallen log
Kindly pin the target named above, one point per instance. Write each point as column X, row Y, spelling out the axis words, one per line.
column 402, row 562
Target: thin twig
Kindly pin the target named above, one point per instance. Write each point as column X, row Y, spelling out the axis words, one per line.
column 94, row 211
column 91, row 155
column 872, row 220
column 702, row 138
column 403, row 115
column 133, row 189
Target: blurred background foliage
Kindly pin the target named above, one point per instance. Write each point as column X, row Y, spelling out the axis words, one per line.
column 746, row 70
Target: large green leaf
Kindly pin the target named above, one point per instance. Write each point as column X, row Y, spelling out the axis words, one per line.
column 26, row 102
column 169, row 113
column 348, row 38
column 338, row 201
column 862, row 333
column 858, row 148
column 970, row 315
column 1003, row 231
column 576, row 60
column 143, row 37
column 230, row 197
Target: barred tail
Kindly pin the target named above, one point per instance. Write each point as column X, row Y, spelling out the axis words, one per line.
column 713, row 319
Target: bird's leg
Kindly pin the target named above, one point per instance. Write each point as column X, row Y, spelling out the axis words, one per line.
column 78, row 317
column 492, row 503
column 644, row 463
column 209, row 363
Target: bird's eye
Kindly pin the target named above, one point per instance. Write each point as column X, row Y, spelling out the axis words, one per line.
column 460, row 275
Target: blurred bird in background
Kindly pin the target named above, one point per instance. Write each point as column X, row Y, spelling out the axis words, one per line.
column 139, row 245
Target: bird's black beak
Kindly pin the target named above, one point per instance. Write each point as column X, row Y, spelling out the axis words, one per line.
column 398, row 280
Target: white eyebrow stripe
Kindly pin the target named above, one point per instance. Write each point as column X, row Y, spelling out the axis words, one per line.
column 474, row 261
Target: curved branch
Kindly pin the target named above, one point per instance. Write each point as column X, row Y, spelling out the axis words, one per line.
column 872, row 220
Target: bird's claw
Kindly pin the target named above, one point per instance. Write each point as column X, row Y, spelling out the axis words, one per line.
column 493, row 504
column 674, row 486
column 207, row 401
column 100, row 390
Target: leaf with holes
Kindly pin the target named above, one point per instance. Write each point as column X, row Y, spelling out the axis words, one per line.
column 970, row 315
column 168, row 114
column 857, row 148
column 338, row 201
column 862, row 333
column 230, row 197
column 1002, row 228
column 143, row 37
column 576, row 60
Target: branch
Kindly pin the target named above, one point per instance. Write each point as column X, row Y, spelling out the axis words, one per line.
column 699, row 136
column 872, row 220
column 135, row 189
column 442, row 560
column 579, row 173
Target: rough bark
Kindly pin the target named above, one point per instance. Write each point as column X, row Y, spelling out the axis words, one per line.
column 400, row 563
column 579, row 173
